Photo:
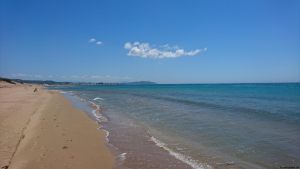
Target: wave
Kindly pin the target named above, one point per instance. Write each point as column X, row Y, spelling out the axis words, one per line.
column 106, row 135
column 99, row 118
column 98, row 98
column 240, row 109
column 96, row 112
column 65, row 92
column 184, row 158
column 122, row 156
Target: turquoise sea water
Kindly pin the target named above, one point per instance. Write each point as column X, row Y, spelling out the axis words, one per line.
column 219, row 125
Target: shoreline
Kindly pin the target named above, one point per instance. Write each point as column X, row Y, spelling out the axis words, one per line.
column 140, row 148
column 174, row 159
column 128, row 142
column 44, row 130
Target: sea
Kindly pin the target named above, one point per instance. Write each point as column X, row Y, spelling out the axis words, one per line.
column 199, row 126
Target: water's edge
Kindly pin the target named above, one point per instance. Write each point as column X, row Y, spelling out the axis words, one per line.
column 196, row 126
column 93, row 110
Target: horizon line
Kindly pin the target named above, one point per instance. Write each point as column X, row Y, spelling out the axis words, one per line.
column 154, row 83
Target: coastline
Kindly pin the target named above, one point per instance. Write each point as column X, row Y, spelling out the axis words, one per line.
column 44, row 130
column 126, row 146
column 164, row 130
column 48, row 129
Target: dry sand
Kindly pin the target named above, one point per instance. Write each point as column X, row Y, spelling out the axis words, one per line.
column 43, row 130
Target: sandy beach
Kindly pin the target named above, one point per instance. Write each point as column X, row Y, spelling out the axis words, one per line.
column 43, row 130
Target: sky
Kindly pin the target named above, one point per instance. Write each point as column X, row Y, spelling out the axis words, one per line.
column 170, row 41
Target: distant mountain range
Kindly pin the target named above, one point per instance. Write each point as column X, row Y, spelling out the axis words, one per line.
column 51, row 82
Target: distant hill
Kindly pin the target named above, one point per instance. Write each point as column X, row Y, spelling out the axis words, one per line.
column 7, row 80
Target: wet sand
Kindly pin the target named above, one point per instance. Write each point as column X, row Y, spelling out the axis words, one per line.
column 44, row 130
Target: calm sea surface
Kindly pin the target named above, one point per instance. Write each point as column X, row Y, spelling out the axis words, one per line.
column 202, row 126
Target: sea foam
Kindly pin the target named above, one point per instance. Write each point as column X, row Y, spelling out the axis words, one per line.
column 99, row 118
column 186, row 159
column 98, row 98
column 96, row 112
column 122, row 156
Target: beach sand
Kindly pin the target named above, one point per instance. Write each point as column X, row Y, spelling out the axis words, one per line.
column 43, row 130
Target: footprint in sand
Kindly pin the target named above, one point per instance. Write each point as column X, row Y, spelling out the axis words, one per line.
column 42, row 156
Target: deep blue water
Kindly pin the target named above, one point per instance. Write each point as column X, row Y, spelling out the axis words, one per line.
column 250, row 125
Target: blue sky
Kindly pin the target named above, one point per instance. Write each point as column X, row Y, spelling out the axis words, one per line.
column 193, row 41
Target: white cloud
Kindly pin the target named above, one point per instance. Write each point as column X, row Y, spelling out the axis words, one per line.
column 144, row 50
column 37, row 76
column 127, row 45
column 95, row 41
column 22, row 75
column 92, row 40
column 19, row 75
column 96, row 76
column 72, row 78
column 98, row 43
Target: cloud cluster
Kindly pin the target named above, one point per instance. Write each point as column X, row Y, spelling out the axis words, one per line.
column 145, row 50
column 96, row 78
column 76, row 78
column 95, row 41
column 22, row 75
